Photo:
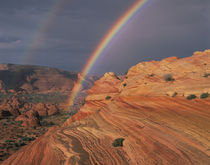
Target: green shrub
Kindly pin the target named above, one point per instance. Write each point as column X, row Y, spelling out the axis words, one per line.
column 108, row 97
column 27, row 138
column 168, row 77
column 126, row 72
column 118, row 142
column 46, row 123
column 206, row 75
column 51, row 123
column 16, row 145
column 124, row 84
column 22, row 144
column 151, row 75
column 19, row 122
column 9, row 141
column 34, row 127
column 190, row 97
column 174, row 94
column 204, row 95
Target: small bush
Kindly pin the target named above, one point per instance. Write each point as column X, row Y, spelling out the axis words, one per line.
column 9, row 141
column 108, row 97
column 174, row 94
column 16, row 145
column 124, row 84
column 34, row 127
column 190, row 97
column 126, row 72
column 51, row 123
column 118, row 142
column 151, row 75
column 22, row 144
column 168, row 77
column 206, row 75
column 72, row 113
column 204, row 95
column 46, row 123
column 19, row 122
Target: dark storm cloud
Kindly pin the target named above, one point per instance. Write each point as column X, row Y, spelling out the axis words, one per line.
column 163, row 28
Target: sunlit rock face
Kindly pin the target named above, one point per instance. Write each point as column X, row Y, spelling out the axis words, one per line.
column 156, row 128
column 171, row 75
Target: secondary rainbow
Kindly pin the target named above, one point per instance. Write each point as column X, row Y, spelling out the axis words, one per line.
column 41, row 35
column 121, row 22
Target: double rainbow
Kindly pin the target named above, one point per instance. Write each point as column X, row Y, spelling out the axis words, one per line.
column 121, row 22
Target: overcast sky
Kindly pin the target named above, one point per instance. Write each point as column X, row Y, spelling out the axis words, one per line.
column 63, row 33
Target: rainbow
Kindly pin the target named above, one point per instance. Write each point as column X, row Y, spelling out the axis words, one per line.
column 114, row 30
column 41, row 35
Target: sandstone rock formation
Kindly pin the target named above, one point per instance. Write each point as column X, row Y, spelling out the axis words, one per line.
column 25, row 111
column 189, row 76
column 46, row 109
column 107, row 85
column 156, row 128
column 30, row 119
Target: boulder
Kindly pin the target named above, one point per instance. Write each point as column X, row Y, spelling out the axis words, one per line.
column 41, row 109
column 30, row 119
column 51, row 109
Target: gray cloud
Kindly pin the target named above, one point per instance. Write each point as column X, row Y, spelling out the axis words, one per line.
column 65, row 39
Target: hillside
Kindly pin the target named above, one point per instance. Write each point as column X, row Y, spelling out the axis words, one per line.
column 159, row 113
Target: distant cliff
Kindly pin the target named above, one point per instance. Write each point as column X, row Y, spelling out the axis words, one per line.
column 37, row 79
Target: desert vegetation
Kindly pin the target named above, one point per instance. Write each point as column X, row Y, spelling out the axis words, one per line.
column 118, row 142
column 174, row 94
column 191, row 97
column 204, row 95
column 108, row 97
column 168, row 77
column 151, row 75
column 206, row 75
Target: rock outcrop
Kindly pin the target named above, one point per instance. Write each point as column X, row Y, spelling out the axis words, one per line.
column 171, row 75
column 29, row 119
column 27, row 112
column 107, row 85
column 156, row 128
column 46, row 109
